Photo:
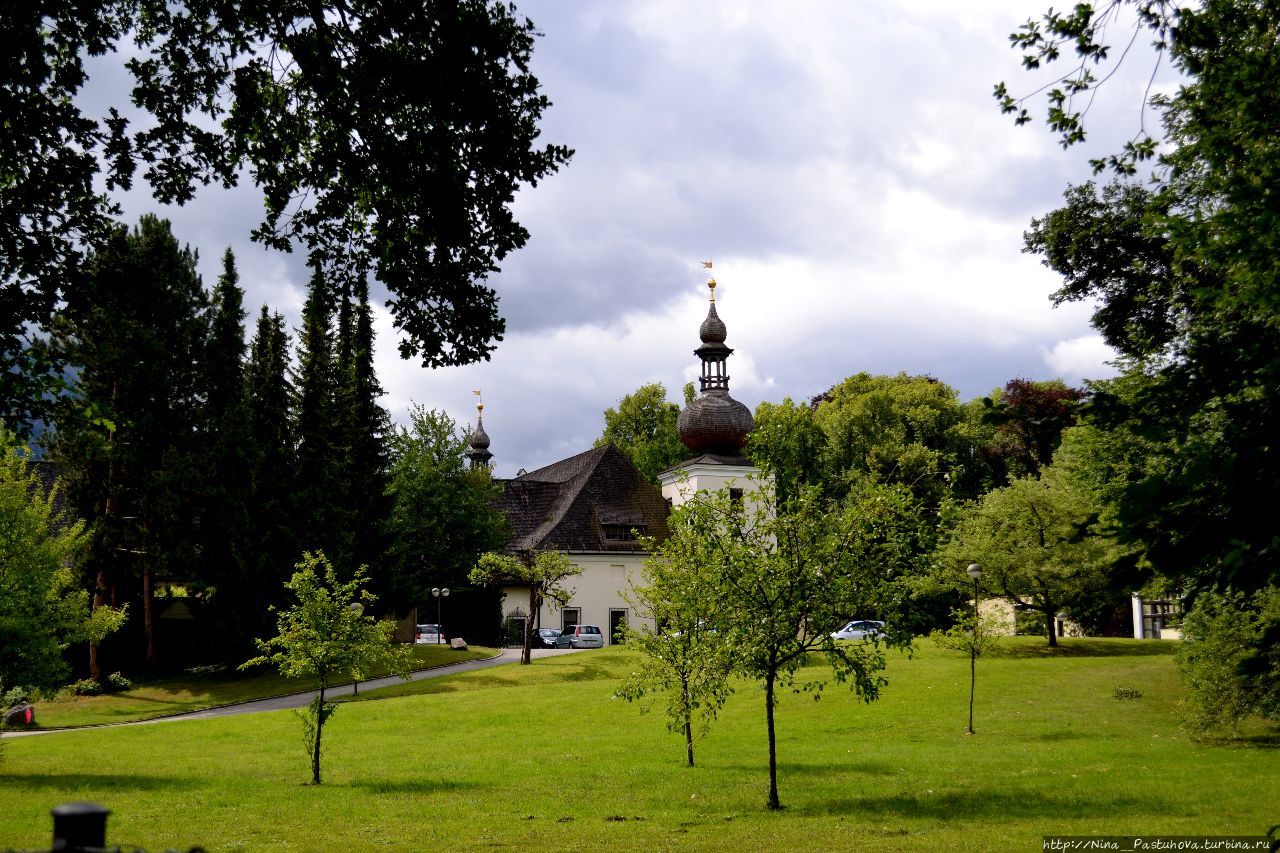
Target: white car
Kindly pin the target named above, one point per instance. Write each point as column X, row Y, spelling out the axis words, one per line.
column 428, row 634
column 858, row 629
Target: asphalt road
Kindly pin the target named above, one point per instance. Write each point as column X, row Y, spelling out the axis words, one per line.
column 302, row 699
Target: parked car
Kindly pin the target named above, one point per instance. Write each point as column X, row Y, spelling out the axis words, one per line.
column 581, row 637
column 429, row 634
column 859, row 629
column 545, row 638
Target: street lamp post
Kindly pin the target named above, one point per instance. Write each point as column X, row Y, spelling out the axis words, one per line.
column 439, row 594
column 358, row 609
column 974, row 571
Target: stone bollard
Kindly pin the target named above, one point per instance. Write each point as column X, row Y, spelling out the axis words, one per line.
column 79, row 826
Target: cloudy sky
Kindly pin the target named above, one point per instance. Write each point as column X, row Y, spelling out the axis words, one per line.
column 843, row 164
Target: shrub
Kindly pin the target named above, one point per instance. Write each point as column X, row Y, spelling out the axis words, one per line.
column 1127, row 693
column 86, row 687
column 1230, row 659
column 117, row 682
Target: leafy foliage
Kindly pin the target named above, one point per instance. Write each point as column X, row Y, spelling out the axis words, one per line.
column 42, row 608
column 388, row 137
column 442, row 516
column 907, row 430
column 643, row 426
column 545, row 573
column 1030, row 417
column 1038, row 541
column 686, row 658
column 788, row 443
column 1229, row 660
column 785, row 576
column 326, row 635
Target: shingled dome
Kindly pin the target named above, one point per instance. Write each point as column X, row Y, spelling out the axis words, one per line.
column 715, row 422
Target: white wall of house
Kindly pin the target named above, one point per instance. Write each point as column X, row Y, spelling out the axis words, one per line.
column 680, row 483
column 597, row 593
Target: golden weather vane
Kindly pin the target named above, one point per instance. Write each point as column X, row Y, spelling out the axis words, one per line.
column 711, row 282
column 480, row 402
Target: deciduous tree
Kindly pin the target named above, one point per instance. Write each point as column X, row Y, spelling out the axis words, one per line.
column 386, row 136
column 42, row 606
column 326, row 635
column 684, row 655
column 785, row 577
column 545, row 573
column 442, row 515
column 1039, row 542
column 643, row 426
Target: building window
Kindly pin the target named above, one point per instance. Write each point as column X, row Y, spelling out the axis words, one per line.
column 622, row 532
column 735, row 497
column 570, row 616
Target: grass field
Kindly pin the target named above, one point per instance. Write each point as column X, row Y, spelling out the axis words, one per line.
column 166, row 696
column 541, row 758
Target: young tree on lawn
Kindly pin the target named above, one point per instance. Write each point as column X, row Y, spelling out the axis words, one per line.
column 326, row 635
column 974, row 634
column 544, row 573
column 686, row 657
column 1039, row 541
column 786, row 576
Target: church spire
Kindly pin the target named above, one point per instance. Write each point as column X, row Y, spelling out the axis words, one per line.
column 715, row 422
column 478, row 452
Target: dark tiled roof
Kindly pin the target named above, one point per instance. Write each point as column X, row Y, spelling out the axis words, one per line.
column 568, row 505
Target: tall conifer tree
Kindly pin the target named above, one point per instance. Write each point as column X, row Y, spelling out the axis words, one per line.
column 227, row 463
column 274, row 542
column 136, row 330
column 366, row 427
column 319, row 477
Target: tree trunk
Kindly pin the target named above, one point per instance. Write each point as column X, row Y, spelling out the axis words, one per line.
column 108, row 510
column 773, row 804
column 1051, row 626
column 688, row 716
column 148, row 612
column 99, row 599
column 526, row 653
column 315, row 750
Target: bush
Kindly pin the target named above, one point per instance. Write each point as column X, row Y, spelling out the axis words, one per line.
column 1127, row 693
column 117, row 682
column 86, row 687
column 1230, row 660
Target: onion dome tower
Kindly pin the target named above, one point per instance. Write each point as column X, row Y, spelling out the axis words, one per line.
column 478, row 452
column 714, row 427
column 715, row 423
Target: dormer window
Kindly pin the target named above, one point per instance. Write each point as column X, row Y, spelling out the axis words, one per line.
column 622, row 532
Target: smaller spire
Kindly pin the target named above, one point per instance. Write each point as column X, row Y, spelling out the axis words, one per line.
column 478, row 452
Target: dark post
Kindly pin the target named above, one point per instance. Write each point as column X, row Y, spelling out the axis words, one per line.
column 78, row 826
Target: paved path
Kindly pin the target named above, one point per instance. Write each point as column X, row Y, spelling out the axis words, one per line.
column 301, row 700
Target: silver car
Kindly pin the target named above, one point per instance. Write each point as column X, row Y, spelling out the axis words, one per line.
column 859, row 629
column 581, row 637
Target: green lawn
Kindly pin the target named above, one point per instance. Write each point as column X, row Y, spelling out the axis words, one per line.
column 162, row 697
column 541, row 758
